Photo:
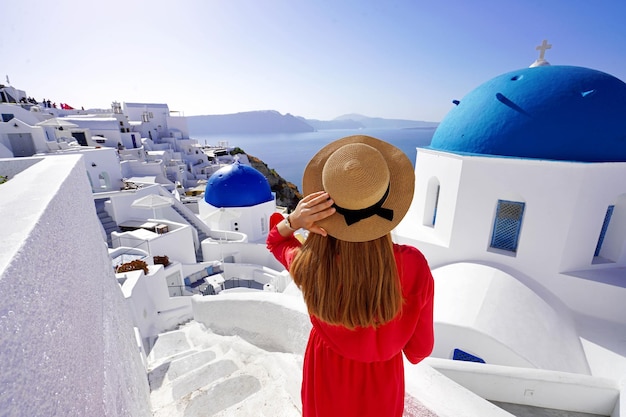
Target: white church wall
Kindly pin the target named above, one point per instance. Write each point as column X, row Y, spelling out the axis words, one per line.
column 431, row 168
column 565, row 206
column 613, row 247
column 255, row 221
column 595, row 294
column 529, row 329
column 470, row 188
column 68, row 342
column 252, row 221
column 544, row 222
column 449, row 337
column 602, row 186
column 474, row 190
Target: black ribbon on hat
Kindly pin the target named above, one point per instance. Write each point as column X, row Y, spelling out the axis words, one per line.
column 354, row 216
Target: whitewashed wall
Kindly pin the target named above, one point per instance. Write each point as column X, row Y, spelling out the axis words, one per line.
column 153, row 310
column 565, row 206
column 68, row 345
column 273, row 321
column 529, row 332
column 240, row 252
column 100, row 161
column 253, row 221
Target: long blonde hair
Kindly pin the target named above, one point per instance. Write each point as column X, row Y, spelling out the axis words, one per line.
column 353, row 284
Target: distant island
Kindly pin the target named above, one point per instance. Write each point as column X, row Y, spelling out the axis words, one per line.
column 271, row 121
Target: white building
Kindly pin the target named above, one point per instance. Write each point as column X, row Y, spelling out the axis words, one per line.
column 520, row 208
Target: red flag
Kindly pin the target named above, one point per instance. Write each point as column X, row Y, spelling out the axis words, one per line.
column 66, row 106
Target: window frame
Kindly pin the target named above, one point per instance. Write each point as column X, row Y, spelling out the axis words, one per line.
column 506, row 229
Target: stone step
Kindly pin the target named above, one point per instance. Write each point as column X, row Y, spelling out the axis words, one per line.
column 109, row 224
column 193, row 372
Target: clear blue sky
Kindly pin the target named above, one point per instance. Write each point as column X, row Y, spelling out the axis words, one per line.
column 316, row 58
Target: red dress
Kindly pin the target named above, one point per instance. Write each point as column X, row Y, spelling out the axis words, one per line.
column 360, row 372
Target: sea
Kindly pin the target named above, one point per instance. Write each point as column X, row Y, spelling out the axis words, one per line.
column 289, row 153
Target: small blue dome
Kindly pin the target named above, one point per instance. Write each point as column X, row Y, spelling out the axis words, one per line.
column 551, row 112
column 237, row 185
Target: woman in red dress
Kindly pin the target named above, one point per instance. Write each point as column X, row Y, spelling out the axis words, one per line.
column 369, row 299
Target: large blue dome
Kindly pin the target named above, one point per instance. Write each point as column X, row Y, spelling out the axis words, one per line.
column 237, row 185
column 551, row 112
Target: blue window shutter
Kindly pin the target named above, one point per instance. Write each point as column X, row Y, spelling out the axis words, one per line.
column 6, row 117
column 507, row 225
column 460, row 355
column 605, row 227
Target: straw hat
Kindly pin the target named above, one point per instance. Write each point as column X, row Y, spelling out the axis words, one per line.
column 371, row 182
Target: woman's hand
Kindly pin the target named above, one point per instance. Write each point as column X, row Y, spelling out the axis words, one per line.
column 312, row 208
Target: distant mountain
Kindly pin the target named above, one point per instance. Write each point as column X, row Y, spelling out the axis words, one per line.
column 271, row 121
column 266, row 121
column 334, row 124
column 380, row 123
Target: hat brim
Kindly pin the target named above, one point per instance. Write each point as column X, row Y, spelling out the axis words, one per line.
column 401, row 187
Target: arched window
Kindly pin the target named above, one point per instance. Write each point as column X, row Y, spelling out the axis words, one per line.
column 432, row 202
column 104, row 181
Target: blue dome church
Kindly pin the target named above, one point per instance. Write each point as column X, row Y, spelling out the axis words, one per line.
column 520, row 199
column 549, row 112
column 238, row 199
column 237, row 185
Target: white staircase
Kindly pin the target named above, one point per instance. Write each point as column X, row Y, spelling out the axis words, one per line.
column 194, row 372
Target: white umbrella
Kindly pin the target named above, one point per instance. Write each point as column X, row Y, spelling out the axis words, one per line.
column 152, row 201
column 222, row 215
column 58, row 123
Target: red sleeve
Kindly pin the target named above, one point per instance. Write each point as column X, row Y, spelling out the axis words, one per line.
column 283, row 248
column 421, row 343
